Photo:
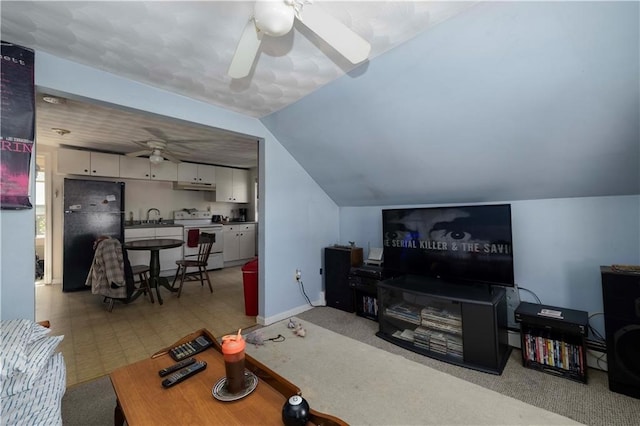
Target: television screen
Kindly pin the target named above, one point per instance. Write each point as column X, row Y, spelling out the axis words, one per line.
column 468, row 242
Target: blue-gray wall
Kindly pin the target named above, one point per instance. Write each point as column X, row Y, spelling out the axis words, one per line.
column 558, row 244
column 297, row 218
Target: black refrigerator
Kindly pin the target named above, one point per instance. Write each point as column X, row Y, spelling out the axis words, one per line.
column 92, row 209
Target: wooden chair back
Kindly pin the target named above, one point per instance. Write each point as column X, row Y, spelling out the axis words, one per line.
column 204, row 247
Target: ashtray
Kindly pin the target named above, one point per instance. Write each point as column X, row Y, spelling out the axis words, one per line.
column 221, row 393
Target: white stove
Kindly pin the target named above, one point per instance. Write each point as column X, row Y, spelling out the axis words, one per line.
column 200, row 221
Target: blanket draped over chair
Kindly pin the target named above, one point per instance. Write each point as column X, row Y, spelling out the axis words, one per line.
column 106, row 276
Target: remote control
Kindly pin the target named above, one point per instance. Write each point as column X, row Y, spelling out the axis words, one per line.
column 188, row 349
column 184, row 374
column 176, row 367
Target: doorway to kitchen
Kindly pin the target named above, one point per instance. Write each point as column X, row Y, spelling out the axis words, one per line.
column 42, row 224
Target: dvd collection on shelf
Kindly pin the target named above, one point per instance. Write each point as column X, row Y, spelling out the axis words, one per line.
column 554, row 353
column 439, row 329
column 368, row 305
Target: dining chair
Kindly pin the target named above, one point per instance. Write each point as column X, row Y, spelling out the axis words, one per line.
column 198, row 261
column 110, row 274
column 142, row 280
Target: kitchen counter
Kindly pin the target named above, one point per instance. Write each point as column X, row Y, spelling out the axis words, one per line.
column 144, row 224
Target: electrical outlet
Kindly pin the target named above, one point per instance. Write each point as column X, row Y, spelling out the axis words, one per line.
column 298, row 275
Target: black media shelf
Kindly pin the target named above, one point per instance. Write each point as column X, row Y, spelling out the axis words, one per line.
column 364, row 282
column 552, row 340
column 462, row 324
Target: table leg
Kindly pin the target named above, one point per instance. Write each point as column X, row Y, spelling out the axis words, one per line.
column 155, row 280
column 154, row 272
column 118, row 415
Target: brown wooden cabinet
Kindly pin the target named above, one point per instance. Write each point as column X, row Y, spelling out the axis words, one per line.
column 338, row 261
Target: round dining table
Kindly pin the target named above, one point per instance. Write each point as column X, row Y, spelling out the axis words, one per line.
column 154, row 246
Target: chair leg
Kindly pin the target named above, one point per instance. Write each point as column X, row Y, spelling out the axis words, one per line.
column 201, row 277
column 206, row 275
column 184, row 272
column 173, row 284
column 145, row 280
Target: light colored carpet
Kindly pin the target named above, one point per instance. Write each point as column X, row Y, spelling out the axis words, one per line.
column 365, row 385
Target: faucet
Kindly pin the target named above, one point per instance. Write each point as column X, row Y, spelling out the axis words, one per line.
column 149, row 212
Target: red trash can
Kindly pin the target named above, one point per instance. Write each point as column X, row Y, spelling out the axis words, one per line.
column 250, row 282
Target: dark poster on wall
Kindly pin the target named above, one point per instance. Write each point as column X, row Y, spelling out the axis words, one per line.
column 17, row 115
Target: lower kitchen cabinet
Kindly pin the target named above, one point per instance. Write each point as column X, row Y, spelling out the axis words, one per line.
column 168, row 257
column 239, row 242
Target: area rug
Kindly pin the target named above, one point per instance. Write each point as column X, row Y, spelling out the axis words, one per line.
column 364, row 385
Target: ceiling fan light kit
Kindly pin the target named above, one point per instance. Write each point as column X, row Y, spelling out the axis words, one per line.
column 155, row 157
column 275, row 18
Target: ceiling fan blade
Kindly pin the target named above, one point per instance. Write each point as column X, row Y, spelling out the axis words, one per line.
column 139, row 153
column 335, row 33
column 157, row 133
column 246, row 51
column 170, row 157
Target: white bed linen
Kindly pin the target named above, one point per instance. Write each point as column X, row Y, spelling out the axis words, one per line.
column 41, row 404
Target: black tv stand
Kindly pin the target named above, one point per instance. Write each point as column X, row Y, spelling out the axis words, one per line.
column 456, row 322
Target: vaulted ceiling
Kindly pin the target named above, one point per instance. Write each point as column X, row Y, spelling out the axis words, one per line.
column 459, row 102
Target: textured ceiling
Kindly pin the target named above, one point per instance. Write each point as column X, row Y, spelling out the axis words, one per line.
column 503, row 101
column 186, row 48
column 112, row 129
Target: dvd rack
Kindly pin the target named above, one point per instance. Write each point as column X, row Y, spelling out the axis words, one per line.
column 459, row 324
column 364, row 282
column 552, row 340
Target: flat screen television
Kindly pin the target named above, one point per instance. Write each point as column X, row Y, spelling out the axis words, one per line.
column 470, row 243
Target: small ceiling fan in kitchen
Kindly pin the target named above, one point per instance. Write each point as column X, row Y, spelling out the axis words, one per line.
column 275, row 18
column 156, row 148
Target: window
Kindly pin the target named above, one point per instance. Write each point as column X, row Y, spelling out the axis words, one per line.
column 40, row 199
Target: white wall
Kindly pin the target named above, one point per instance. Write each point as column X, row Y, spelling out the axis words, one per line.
column 140, row 195
column 288, row 239
column 558, row 245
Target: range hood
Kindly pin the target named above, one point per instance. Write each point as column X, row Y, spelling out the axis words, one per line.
column 194, row 186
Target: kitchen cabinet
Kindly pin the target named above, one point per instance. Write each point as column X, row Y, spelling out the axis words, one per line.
column 199, row 173
column 232, row 185
column 142, row 168
column 166, row 170
column 168, row 257
column 239, row 241
column 86, row 163
column 134, row 167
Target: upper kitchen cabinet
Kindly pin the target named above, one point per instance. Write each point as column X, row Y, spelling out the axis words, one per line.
column 164, row 171
column 142, row 168
column 196, row 173
column 76, row 162
column 232, row 185
column 134, row 167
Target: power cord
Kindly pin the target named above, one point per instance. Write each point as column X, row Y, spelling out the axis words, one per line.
column 305, row 295
column 529, row 291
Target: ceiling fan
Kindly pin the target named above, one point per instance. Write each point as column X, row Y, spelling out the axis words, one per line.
column 275, row 18
column 156, row 149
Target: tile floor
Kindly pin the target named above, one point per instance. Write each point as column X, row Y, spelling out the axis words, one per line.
column 97, row 342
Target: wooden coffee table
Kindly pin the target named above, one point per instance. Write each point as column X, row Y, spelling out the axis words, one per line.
column 141, row 399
